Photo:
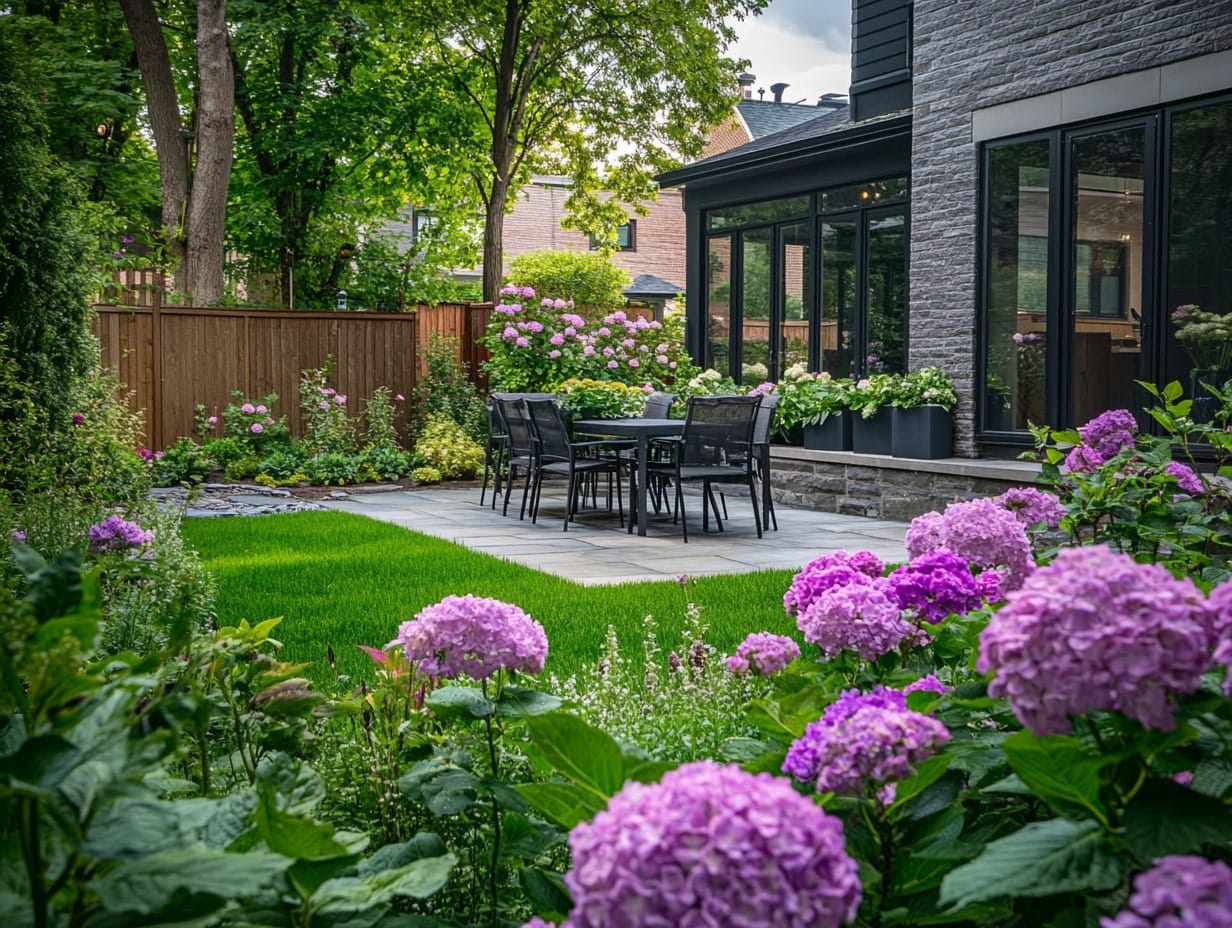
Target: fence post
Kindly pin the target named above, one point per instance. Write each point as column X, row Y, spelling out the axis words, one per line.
column 157, row 428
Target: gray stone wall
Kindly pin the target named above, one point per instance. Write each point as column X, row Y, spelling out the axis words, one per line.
column 883, row 487
column 971, row 54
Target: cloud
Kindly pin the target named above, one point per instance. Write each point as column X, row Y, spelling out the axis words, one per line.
column 805, row 43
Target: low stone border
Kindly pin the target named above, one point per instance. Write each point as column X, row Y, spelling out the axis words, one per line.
column 883, row 487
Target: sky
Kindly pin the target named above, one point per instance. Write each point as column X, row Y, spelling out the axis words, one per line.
column 804, row 43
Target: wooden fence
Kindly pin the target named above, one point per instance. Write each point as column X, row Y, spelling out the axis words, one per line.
column 173, row 357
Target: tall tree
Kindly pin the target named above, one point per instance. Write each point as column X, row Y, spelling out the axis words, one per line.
column 629, row 85
column 194, row 153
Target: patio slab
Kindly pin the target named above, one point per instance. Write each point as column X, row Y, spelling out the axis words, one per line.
column 596, row 551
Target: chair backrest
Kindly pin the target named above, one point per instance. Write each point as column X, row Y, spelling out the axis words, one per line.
column 765, row 417
column 716, row 427
column 548, row 425
column 514, row 422
column 658, row 405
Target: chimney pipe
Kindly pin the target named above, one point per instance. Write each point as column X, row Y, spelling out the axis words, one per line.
column 777, row 90
column 746, row 81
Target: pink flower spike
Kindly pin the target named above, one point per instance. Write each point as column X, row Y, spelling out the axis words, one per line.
column 379, row 656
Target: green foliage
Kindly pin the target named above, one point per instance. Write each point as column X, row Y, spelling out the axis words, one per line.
column 284, row 463
column 252, row 423
column 43, row 283
column 447, row 390
column 444, row 446
column 184, row 462
column 599, row 399
column 589, row 279
column 333, row 468
column 385, row 463
column 809, row 399
column 427, row 475
column 379, row 414
column 928, row 386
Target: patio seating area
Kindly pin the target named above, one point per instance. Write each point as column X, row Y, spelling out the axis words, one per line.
column 595, row 551
column 723, row 443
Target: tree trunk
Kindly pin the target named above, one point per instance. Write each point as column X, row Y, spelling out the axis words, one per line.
column 215, row 137
column 171, row 138
column 493, row 243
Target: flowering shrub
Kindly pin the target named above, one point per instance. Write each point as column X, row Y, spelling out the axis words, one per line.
column 600, row 399
column 859, row 615
column 475, row 636
column 253, row 423
column 863, row 742
column 935, row 585
column 1096, row 630
column 711, row 845
column 1206, row 336
column 1033, row 507
column 115, row 533
column 810, row 399
column 537, row 342
column 1179, row 892
column 327, row 426
column 871, row 393
column 982, row 532
column 928, row 386
column 815, row 577
column 764, row 654
column 672, row 707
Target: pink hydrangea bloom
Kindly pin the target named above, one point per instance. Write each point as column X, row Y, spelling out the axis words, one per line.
column 935, row 585
column 256, row 428
column 613, row 364
column 557, row 339
column 554, row 353
column 813, row 578
column 1033, row 506
column 1083, row 459
column 1097, row 630
column 982, row 532
column 522, row 341
column 261, row 408
column 1181, row 891
column 711, row 845
column 248, row 408
column 323, row 405
column 1221, row 616
column 925, row 534
column 926, row 684
column 862, row 742
column 860, row 616
column 1110, row 432
column 475, row 636
column 763, row 653
column 1186, row 478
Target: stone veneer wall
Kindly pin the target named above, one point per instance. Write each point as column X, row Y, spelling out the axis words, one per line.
column 970, row 54
column 883, row 487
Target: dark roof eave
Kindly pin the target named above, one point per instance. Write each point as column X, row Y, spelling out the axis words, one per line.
column 794, row 150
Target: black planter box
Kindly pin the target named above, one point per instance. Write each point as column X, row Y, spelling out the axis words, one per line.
column 923, row 432
column 834, row 434
column 872, row 435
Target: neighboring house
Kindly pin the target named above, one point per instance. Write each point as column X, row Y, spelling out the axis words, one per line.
column 1019, row 193
column 652, row 247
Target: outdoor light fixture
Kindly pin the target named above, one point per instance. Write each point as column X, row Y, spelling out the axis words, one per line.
column 341, row 301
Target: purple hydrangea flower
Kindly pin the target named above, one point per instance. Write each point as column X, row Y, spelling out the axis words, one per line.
column 711, row 845
column 116, row 534
column 925, row 534
column 859, row 615
column 17, row 536
column 816, row 576
column 1097, row 630
column 1221, row 614
column 248, row 408
column 934, row 585
column 1033, row 506
column 475, row 636
column 1186, row 478
column 1082, row 458
column 928, row 684
column 764, row 654
column 982, row 532
column 863, row 740
column 1110, row 432
column 1179, row 892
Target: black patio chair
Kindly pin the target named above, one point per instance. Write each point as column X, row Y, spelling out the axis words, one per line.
column 558, row 455
column 494, row 451
column 520, row 448
column 761, row 457
column 712, row 449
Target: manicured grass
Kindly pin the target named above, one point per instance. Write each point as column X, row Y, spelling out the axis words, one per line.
column 344, row 580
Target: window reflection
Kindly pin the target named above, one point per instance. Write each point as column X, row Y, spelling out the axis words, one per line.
column 838, row 287
column 718, row 302
column 755, row 304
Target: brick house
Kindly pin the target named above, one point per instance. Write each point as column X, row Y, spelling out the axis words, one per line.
column 1019, row 193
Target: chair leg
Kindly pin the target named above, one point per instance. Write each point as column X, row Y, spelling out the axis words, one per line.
column 756, row 505
column 684, row 521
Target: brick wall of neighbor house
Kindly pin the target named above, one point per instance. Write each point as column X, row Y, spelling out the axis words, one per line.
column 970, row 54
column 534, row 225
column 726, row 136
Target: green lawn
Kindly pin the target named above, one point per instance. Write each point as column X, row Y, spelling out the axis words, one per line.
column 343, row 580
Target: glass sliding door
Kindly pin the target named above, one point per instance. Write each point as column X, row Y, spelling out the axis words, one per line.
column 1015, row 285
column 795, row 299
column 885, row 337
column 1105, row 287
column 755, row 293
column 718, row 302
column 839, row 288
column 1199, row 253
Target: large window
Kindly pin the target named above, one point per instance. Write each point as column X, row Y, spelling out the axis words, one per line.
column 819, row 281
column 1075, row 307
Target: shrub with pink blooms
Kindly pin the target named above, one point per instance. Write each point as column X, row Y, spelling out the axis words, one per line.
column 475, row 636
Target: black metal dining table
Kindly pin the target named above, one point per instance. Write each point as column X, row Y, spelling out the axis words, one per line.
column 643, row 430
